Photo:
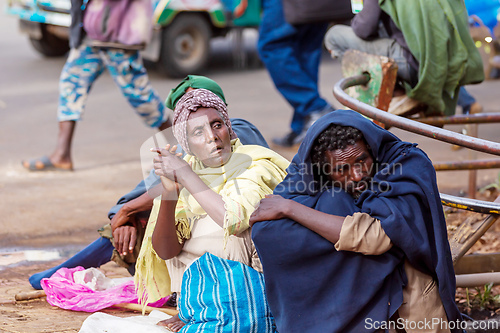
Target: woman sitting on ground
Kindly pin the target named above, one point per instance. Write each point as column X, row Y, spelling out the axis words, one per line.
column 207, row 200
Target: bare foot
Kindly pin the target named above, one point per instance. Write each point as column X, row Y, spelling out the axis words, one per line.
column 174, row 324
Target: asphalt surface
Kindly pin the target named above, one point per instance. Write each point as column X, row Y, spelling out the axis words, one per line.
column 40, row 210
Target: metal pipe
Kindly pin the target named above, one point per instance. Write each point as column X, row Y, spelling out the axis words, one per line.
column 472, row 132
column 481, row 118
column 477, row 280
column 405, row 123
column 467, row 165
column 473, row 205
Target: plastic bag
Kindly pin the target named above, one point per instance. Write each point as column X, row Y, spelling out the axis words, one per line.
column 96, row 280
column 62, row 291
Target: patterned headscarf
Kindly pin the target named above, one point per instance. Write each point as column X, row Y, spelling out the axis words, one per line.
column 191, row 102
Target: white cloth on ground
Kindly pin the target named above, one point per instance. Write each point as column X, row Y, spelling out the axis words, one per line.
column 100, row 322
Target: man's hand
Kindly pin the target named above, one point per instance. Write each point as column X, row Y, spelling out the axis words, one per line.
column 125, row 238
column 121, row 218
column 272, row 207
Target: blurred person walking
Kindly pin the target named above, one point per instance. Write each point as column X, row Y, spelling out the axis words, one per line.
column 292, row 54
column 85, row 63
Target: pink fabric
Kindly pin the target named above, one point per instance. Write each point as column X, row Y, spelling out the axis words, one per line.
column 63, row 292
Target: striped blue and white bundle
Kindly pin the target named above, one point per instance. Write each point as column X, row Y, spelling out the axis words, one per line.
column 220, row 295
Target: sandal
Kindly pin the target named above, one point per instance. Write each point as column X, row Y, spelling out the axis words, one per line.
column 44, row 164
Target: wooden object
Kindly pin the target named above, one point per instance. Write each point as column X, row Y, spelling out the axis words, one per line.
column 468, row 233
column 147, row 309
column 383, row 72
column 24, row 296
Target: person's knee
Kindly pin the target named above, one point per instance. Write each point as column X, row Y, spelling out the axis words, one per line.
column 334, row 40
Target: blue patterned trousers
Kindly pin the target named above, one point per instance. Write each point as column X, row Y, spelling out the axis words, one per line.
column 85, row 64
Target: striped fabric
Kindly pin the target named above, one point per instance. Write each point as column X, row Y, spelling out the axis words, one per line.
column 220, row 295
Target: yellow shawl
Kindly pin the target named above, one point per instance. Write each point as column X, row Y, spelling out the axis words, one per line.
column 251, row 173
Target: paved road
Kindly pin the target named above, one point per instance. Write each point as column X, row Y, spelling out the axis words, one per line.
column 42, row 209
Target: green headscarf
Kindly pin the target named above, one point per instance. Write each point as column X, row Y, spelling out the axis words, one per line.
column 196, row 82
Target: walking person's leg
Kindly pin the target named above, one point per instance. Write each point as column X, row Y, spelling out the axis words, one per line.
column 467, row 102
column 280, row 46
column 82, row 68
column 129, row 73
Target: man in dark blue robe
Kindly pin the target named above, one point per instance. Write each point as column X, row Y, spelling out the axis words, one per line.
column 355, row 235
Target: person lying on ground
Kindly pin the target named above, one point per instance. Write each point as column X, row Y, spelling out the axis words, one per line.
column 218, row 183
column 121, row 240
column 355, row 236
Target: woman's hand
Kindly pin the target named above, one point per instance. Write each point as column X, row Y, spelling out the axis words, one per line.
column 272, row 207
column 169, row 165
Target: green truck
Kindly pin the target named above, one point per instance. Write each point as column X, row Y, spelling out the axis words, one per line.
column 181, row 35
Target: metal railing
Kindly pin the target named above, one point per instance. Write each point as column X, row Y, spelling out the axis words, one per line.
column 409, row 124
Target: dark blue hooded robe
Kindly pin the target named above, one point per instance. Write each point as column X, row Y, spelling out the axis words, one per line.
column 312, row 287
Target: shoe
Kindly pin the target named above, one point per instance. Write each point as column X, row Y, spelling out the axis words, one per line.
column 315, row 115
column 289, row 140
column 44, row 164
column 475, row 108
column 312, row 118
column 293, row 138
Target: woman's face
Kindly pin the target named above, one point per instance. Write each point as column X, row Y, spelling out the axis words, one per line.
column 208, row 137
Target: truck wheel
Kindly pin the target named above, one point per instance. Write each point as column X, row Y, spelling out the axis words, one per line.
column 185, row 45
column 50, row 45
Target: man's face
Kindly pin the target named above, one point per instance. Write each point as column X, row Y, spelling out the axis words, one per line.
column 208, row 137
column 350, row 168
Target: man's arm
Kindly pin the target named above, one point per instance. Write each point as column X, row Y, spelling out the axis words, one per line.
column 275, row 207
column 140, row 204
column 358, row 233
column 123, row 223
column 365, row 24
